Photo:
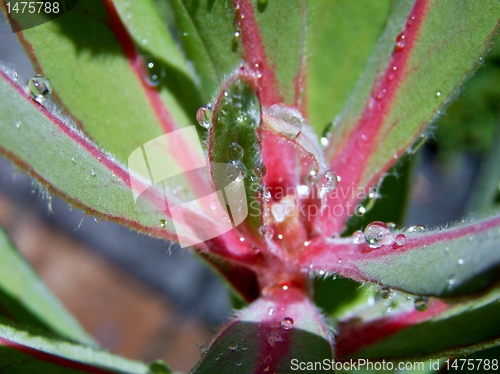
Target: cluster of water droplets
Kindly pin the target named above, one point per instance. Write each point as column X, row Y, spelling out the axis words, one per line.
column 378, row 234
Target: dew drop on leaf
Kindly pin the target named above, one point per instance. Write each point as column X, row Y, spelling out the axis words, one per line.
column 287, row 323
column 378, row 234
column 461, row 261
column 260, row 170
column 324, row 141
column 163, row 223
column 400, row 239
column 417, row 228
column 266, row 231
column 40, row 87
column 358, row 236
column 235, row 151
column 385, row 292
column 236, row 171
column 438, row 93
column 204, row 116
column 92, row 172
column 359, row 210
column 18, row 125
column 159, row 367
column 400, row 42
column 233, row 345
column 154, row 71
column 421, row 303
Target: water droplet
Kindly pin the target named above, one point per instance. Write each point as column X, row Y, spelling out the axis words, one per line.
column 263, row 193
column 144, row 41
column 40, row 87
column 400, row 239
column 154, row 71
column 324, row 142
column 417, row 228
column 421, row 303
column 92, row 172
column 242, row 239
column 385, row 292
column 235, row 151
column 213, row 205
column 392, row 226
column 270, row 311
column 400, row 42
column 378, row 234
column 204, row 116
column 236, row 171
column 18, row 125
column 303, row 190
column 358, row 236
column 266, row 231
column 238, row 364
column 260, row 170
column 359, row 210
column 159, row 367
column 438, row 93
column 233, row 345
column 306, row 243
column 328, row 183
column 261, row 5
column 163, row 223
column 287, row 323
column 381, row 94
column 280, row 237
column 451, row 282
column 461, row 261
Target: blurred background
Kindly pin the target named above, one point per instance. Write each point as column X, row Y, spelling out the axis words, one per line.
column 146, row 299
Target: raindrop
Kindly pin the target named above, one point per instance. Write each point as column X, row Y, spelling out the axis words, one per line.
column 92, row 172
column 358, row 236
column 18, row 125
column 306, row 243
column 154, row 71
column 378, row 234
column 324, row 141
column 438, row 93
column 287, row 323
column 359, row 210
column 385, row 292
column 400, row 42
column 204, row 116
column 263, row 193
column 328, row 183
column 381, row 94
column 421, row 303
column 461, row 261
column 40, row 87
column 400, row 239
column 233, row 345
column 235, row 151
column 260, row 170
column 236, row 170
column 163, row 223
column 392, row 226
column 266, row 231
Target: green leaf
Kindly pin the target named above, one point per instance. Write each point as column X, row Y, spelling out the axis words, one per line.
column 234, row 144
column 71, row 166
column 426, row 52
column 274, row 334
column 341, row 36
column 103, row 82
column 26, row 301
column 23, row 353
column 460, row 326
column 207, row 33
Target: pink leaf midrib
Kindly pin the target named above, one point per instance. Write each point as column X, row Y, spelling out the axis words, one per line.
column 351, row 158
